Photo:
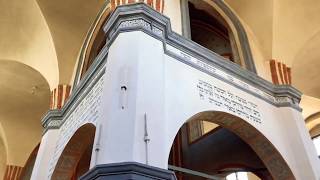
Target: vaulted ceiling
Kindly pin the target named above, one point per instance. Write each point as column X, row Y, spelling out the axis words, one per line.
column 69, row 22
column 288, row 31
column 41, row 40
column 24, row 98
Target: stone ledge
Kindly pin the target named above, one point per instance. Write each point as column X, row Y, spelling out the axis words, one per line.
column 127, row 170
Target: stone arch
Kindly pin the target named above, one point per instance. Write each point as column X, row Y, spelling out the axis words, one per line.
column 79, row 145
column 94, row 41
column 315, row 131
column 265, row 150
column 237, row 29
column 28, row 167
column 312, row 117
column 313, row 124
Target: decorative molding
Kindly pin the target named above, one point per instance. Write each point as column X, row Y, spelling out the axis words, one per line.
column 241, row 33
column 86, row 112
column 54, row 119
column 127, row 170
column 245, row 46
column 197, row 56
column 106, row 9
column 140, row 17
column 89, row 40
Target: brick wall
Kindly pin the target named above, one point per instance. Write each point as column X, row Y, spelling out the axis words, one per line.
column 280, row 73
column 155, row 4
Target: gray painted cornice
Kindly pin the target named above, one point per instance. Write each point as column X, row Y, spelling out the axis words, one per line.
column 127, row 170
column 140, row 17
column 159, row 27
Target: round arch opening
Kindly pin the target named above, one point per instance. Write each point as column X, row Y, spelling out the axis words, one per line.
column 76, row 156
column 213, row 25
column 186, row 152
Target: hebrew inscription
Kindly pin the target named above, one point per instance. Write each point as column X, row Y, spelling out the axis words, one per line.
column 229, row 101
column 220, row 74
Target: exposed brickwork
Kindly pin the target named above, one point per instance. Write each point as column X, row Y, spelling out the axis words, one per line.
column 280, row 73
column 273, row 70
column 12, row 172
column 59, row 96
column 73, row 152
column 289, row 74
column 28, row 167
column 156, row 4
column 85, row 112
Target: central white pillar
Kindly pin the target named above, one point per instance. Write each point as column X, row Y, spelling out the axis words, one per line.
column 132, row 126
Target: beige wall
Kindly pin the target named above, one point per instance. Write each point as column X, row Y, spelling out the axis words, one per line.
column 295, row 21
column 25, row 38
column 257, row 15
column 25, row 98
column 69, row 22
column 173, row 11
column 47, row 36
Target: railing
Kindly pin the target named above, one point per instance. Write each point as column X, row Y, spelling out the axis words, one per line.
column 194, row 173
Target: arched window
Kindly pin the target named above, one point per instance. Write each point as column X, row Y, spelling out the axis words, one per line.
column 214, row 26
column 211, row 31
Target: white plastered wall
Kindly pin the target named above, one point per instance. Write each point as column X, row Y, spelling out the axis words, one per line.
column 45, row 153
column 165, row 90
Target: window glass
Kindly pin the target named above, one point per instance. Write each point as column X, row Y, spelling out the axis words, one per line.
column 198, row 128
column 237, row 176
